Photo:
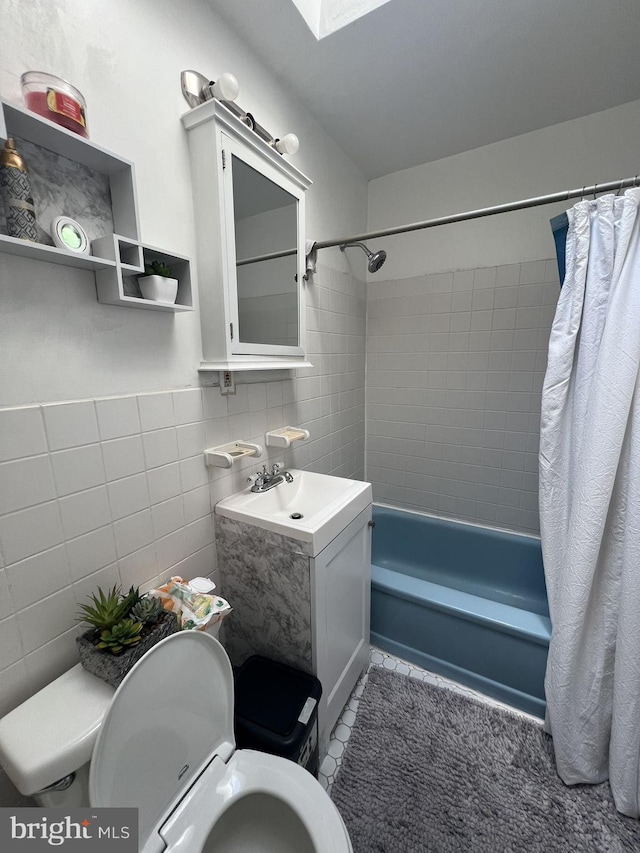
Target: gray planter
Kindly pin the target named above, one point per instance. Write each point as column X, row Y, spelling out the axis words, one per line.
column 113, row 668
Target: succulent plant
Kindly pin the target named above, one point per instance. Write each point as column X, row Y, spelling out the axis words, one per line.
column 158, row 268
column 108, row 608
column 124, row 633
column 147, row 610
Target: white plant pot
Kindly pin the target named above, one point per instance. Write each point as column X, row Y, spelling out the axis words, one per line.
column 158, row 288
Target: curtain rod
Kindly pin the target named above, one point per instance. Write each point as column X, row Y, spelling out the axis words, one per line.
column 459, row 217
column 484, row 211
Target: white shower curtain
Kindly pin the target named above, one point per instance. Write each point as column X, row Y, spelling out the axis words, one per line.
column 590, row 502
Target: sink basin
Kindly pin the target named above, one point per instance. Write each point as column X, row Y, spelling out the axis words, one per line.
column 326, row 505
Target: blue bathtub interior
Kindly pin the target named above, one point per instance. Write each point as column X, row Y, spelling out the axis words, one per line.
column 463, row 601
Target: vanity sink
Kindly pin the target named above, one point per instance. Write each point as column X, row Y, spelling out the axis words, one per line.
column 312, row 508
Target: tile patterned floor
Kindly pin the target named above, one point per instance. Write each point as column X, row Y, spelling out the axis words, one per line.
column 330, row 766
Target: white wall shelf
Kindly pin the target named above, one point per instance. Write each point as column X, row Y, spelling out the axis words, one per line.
column 51, row 254
column 118, row 258
column 20, row 122
column 117, row 285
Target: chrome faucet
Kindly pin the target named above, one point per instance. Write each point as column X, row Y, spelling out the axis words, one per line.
column 265, row 480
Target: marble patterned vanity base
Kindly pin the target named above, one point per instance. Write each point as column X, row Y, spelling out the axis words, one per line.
column 266, row 580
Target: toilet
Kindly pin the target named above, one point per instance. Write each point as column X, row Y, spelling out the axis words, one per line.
column 166, row 745
column 46, row 743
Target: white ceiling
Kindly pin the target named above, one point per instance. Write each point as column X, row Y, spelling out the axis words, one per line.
column 416, row 80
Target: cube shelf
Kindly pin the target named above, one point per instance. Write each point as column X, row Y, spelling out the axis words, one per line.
column 119, row 257
column 117, row 284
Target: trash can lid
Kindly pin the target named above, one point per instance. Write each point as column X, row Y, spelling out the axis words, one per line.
column 272, row 695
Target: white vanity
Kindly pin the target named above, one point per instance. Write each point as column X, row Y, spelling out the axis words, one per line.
column 300, row 587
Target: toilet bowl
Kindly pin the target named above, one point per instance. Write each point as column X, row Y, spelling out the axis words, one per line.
column 166, row 745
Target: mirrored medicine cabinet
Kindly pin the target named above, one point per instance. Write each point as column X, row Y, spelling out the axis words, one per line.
column 249, row 209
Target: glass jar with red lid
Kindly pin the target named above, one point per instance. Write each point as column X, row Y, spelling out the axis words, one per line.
column 53, row 98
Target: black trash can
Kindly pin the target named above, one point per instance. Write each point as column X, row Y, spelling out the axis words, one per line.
column 276, row 711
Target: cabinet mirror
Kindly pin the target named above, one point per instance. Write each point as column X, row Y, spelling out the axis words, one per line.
column 263, row 213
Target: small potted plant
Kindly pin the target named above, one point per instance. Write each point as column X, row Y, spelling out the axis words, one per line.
column 158, row 285
column 124, row 628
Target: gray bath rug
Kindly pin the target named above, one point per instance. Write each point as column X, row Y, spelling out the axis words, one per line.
column 426, row 769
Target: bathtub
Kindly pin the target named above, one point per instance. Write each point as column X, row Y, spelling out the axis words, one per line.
column 463, row 601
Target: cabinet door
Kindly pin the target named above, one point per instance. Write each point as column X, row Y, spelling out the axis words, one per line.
column 264, row 216
column 341, row 582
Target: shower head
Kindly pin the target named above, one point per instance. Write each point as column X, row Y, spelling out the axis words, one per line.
column 376, row 259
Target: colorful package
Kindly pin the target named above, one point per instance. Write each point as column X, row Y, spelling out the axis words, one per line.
column 194, row 610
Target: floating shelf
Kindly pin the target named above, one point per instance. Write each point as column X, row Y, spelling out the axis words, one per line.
column 117, row 259
column 285, row 435
column 119, row 286
column 226, row 454
column 20, row 122
column 41, row 252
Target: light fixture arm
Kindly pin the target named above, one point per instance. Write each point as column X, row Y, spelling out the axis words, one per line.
column 225, row 89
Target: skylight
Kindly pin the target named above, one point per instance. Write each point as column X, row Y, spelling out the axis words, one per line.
column 324, row 17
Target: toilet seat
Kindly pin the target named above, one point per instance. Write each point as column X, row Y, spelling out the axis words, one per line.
column 167, row 746
column 301, row 813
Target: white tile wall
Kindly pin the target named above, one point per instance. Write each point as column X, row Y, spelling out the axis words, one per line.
column 164, row 482
column 30, row 531
column 156, row 411
column 21, row 433
column 117, row 417
column 77, row 469
column 123, row 457
column 90, row 552
column 5, row 599
column 114, row 490
column 84, row 511
column 455, row 365
column 70, row 424
column 47, row 572
column 26, row 482
column 133, row 532
column 160, row 447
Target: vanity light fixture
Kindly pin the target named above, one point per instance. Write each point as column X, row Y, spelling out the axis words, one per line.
column 197, row 89
column 289, row 144
column 225, row 88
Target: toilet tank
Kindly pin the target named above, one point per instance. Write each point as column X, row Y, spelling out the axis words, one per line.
column 52, row 734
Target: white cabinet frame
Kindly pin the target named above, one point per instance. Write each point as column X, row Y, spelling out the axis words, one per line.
column 212, row 131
